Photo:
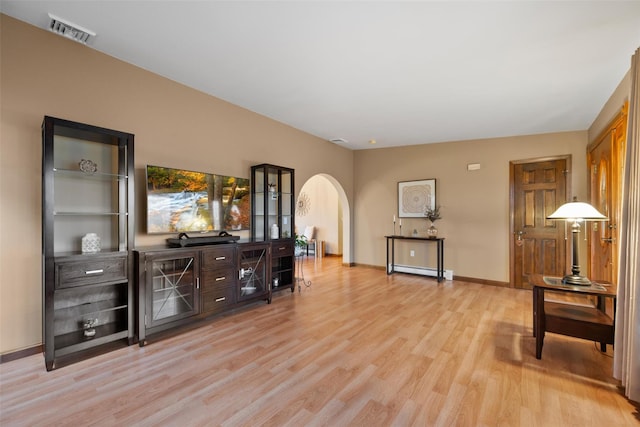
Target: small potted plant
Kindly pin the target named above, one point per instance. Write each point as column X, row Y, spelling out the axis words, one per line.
column 432, row 215
column 301, row 244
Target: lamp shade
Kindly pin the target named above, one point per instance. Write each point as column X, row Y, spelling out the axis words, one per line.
column 577, row 211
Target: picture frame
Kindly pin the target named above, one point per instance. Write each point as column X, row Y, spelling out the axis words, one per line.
column 414, row 197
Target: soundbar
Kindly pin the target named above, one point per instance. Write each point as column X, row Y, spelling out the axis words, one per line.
column 183, row 240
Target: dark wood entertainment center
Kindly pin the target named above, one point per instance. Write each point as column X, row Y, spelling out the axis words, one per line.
column 99, row 291
column 178, row 286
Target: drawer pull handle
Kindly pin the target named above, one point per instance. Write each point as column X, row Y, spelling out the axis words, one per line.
column 221, row 299
column 94, row 272
column 220, row 279
column 220, row 258
column 282, row 248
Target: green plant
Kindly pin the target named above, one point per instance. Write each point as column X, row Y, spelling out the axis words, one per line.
column 433, row 214
column 301, row 241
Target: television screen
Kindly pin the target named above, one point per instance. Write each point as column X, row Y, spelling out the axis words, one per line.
column 185, row 201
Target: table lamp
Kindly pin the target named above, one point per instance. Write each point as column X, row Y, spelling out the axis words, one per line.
column 576, row 212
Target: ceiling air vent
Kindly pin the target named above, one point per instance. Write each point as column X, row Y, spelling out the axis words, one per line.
column 69, row 30
column 338, row 141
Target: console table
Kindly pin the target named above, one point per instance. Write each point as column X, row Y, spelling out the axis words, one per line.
column 439, row 241
column 586, row 322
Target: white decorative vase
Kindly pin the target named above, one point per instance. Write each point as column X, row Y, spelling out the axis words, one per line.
column 90, row 243
column 275, row 231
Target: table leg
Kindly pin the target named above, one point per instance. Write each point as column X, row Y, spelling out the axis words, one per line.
column 441, row 261
column 387, row 264
column 538, row 319
column 389, row 267
column 601, row 305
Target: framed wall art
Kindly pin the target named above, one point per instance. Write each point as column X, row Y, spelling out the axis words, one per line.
column 414, row 197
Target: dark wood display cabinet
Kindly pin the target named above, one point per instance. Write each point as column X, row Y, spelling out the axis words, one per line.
column 273, row 219
column 87, row 236
column 178, row 286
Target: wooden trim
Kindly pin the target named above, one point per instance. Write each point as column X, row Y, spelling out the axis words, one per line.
column 621, row 115
column 19, row 354
column 455, row 278
column 482, row 281
column 375, row 267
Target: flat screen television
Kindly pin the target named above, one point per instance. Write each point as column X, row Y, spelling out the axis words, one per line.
column 182, row 201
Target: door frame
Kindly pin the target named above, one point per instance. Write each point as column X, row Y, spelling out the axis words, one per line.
column 512, row 230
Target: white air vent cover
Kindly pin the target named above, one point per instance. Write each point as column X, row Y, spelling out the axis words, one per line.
column 69, row 30
column 338, row 140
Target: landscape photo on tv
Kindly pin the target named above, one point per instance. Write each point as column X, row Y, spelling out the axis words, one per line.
column 182, row 201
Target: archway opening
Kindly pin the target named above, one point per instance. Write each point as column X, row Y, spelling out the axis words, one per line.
column 323, row 204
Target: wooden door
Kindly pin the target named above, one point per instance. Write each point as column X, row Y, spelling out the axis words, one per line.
column 605, row 158
column 538, row 245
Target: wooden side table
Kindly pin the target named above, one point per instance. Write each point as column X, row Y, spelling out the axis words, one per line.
column 590, row 323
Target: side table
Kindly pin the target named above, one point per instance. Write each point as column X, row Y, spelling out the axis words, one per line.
column 439, row 241
column 590, row 323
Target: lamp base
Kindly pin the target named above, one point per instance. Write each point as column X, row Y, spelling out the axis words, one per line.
column 574, row 279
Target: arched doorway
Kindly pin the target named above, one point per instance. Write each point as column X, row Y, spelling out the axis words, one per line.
column 327, row 209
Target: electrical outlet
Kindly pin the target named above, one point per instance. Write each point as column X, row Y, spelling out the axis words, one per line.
column 412, row 253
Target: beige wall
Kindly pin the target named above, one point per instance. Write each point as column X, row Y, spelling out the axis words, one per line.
column 45, row 74
column 475, row 204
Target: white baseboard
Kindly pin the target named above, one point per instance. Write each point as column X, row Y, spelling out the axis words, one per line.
column 423, row 271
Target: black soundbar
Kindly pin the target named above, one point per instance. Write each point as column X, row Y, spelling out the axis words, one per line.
column 183, row 240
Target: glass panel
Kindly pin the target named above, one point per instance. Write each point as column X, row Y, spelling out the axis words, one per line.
column 287, row 230
column 287, row 205
column 258, row 181
column 286, row 183
column 68, row 153
column 259, row 227
column 253, row 272
column 173, row 285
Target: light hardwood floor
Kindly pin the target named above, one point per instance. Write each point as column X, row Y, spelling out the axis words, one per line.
column 355, row 348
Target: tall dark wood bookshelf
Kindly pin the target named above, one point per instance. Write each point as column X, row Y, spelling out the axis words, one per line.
column 87, row 240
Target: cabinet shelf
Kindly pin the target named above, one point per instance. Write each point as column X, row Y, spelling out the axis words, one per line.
column 81, row 256
column 82, row 175
column 76, row 341
column 89, row 308
column 90, row 213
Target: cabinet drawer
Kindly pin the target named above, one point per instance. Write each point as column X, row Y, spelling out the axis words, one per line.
column 78, row 273
column 221, row 277
column 218, row 299
column 281, row 249
column 218, row 257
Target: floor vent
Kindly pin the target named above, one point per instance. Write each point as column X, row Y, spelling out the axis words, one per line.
column 69, row 30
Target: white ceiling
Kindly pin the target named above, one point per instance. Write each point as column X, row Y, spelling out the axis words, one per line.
column 400, row 73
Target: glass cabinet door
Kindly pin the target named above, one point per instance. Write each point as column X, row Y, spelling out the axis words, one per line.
column 253, row 279
column 173, row 289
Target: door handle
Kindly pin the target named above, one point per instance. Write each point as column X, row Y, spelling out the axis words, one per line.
column 520, row 234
